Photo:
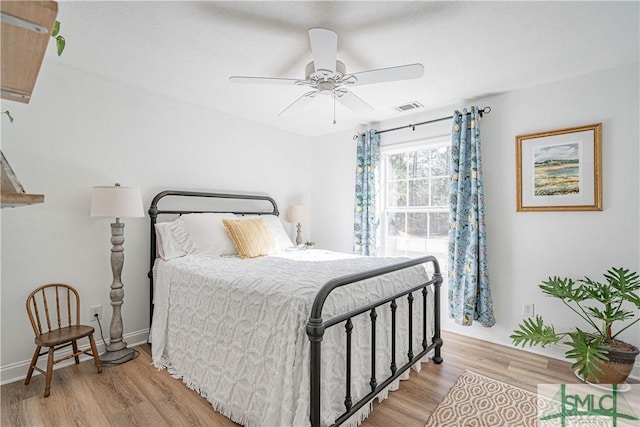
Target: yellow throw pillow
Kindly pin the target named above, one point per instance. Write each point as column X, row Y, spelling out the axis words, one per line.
column 251, row 237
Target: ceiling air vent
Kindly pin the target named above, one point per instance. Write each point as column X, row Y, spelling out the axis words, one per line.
column 409, row 106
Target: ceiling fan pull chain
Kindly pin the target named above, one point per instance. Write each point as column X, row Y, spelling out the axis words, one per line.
column 334, row 108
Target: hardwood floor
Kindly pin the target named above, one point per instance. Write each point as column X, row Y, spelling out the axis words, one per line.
column 136, row 394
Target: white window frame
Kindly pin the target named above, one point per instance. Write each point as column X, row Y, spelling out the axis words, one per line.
column 388, row 150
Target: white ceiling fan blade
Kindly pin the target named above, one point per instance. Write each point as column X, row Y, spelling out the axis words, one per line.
column 263, row 80
column 353, row 102
column 402, row 72
column 299, row 103
column 324, row 48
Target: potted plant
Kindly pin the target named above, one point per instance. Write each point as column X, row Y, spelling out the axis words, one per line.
column 600, row 356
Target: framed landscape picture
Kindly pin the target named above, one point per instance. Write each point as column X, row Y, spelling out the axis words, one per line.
column 560, row 170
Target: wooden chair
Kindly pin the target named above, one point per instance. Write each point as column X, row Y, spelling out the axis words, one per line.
column 58, row 305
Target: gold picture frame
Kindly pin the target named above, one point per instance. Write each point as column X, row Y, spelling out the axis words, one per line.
column 560, row 170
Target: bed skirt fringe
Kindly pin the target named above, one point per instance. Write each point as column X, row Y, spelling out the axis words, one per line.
column 221, row 409
column 354, row 421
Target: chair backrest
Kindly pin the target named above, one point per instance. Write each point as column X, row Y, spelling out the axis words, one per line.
column 53, row 306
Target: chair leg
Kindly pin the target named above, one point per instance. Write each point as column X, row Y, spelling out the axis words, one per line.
column 47, row 387
column 32, row 366
column 74, row 346
column 94, row 350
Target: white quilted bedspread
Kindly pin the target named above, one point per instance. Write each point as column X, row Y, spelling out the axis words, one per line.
column 234, row 330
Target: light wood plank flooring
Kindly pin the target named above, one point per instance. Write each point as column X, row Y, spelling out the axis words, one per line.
column 136, row 394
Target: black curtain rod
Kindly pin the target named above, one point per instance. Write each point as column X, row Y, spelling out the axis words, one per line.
column 485, row 110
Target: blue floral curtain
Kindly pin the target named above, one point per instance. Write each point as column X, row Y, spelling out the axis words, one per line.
column 469, row 294
column 365, row 224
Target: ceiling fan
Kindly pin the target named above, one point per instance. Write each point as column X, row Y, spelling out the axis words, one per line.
column 328, row 76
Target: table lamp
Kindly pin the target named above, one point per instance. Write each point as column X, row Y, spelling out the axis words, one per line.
column 297, row 214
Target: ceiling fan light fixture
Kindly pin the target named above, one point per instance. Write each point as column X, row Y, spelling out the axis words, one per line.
column 312, row 74
column 325, row 87
column 326, row 75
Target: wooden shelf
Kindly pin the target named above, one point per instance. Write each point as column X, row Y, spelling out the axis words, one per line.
column 14, row 200
column 23, row 49
column 21, row 57
column 12, row 193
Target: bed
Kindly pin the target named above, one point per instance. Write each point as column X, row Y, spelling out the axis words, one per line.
column 295, row 337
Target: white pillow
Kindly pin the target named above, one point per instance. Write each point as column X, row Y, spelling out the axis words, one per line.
column 172, row 240
column 277, row 230
column 208, row 234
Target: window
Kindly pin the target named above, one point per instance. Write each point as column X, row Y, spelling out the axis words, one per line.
column 415, row 199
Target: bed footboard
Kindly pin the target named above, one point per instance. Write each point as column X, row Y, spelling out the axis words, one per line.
column 316, row 328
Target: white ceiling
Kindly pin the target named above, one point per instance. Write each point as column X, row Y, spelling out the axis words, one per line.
column 187, row 50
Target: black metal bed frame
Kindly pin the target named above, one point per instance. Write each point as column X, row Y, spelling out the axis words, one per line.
column 154, row 212
column 316, row 326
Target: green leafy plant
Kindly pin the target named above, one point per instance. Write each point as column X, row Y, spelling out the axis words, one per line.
column 598, row 304
column 60, row 41
column 8, row 114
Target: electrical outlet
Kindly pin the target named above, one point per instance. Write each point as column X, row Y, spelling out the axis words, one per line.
column 528, row 309
column 96, row 310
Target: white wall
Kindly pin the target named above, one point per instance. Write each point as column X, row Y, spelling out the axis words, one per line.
column 79, row 131
column 523, row 248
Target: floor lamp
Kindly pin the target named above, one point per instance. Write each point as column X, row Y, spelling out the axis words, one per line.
column 116, row 202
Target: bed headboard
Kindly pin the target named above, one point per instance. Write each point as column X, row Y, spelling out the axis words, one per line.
column 183, row 198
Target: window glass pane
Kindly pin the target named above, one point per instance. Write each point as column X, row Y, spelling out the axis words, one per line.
column 397, row 193
column 439, row 161
column 395, row 246
column 415, row 247
column 416, row 184
column 438, row 247
column 423, row 166
column 440, row 191
column 418, row 164
column 417, row 224
column 397, row 224
column 412, row 163
column 397, row 166
column 419, row 192
column 438, row 224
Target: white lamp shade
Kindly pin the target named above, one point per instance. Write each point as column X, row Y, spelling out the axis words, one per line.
column 297, row 213
column 116, row 202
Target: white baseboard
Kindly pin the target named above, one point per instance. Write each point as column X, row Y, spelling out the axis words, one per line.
column 18, row 371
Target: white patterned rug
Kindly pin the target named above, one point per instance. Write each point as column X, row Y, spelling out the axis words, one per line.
column 479, row 401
